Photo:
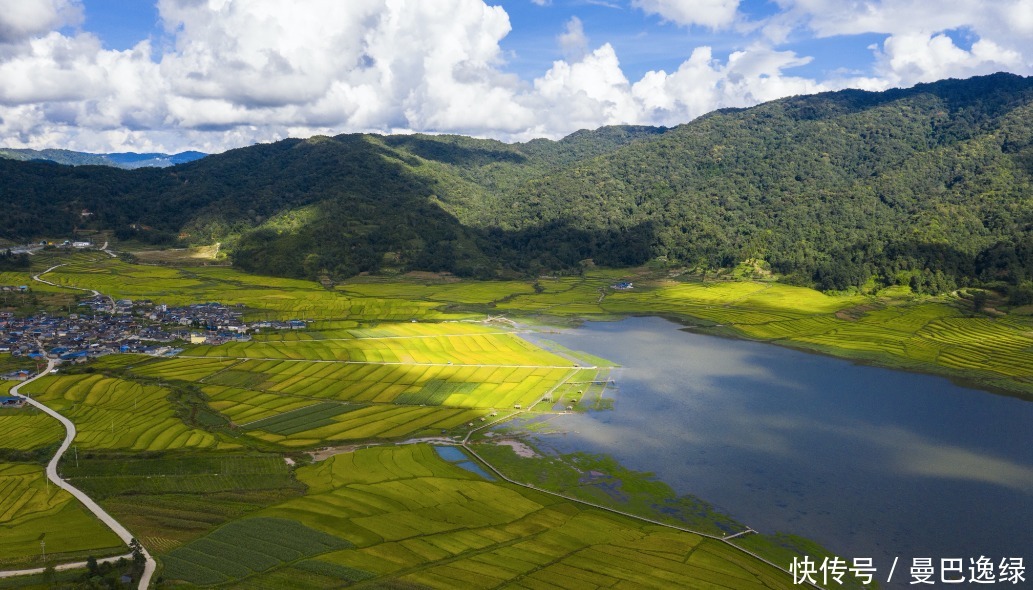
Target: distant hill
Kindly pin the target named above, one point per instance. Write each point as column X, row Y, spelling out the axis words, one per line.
column 930, row 186
column 132, row 160
column 126, row 160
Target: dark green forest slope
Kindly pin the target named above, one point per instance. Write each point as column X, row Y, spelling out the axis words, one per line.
column 931, row 185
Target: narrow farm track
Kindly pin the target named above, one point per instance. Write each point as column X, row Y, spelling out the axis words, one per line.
column 88, row 502
column 96, row 293
column 63, row 567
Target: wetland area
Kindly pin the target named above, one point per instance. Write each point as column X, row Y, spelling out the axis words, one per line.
column 868, row 461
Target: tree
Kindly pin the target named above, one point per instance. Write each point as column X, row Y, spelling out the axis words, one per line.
column 138, row 555
column 91, row 566
column 979, row 299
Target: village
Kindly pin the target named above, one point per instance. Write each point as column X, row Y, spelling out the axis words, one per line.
column 101, row 326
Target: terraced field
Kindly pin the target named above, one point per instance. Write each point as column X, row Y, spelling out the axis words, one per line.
column 457, row 386
column 104, row 477
column 443, row 292
column 27, row 428
column 31, row 511
column 113, row 414
column 191, row 369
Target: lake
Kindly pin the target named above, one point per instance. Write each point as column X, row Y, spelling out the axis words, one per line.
column 869, row 462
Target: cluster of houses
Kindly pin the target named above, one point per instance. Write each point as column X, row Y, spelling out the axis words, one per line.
column 77, row 244
column 107, row 327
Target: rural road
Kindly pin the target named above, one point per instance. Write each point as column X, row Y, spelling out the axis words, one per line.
column 105, row 250
column 92, row 506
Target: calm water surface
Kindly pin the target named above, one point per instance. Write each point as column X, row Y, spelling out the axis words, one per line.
column 870, row 462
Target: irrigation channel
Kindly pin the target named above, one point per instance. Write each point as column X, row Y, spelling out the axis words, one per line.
column 90, row 505
column 870, row 462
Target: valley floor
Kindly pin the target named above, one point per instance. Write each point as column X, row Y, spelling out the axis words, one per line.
column 206, row 457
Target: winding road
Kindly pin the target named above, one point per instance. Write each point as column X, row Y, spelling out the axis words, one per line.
column 92, row 506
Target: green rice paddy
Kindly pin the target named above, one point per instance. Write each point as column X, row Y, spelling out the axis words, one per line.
column 245, row 547
column 265, row 297
column 27, row 429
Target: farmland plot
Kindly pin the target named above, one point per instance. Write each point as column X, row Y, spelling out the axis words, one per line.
column 414, row 518
column 115, row 414
column 31, row 511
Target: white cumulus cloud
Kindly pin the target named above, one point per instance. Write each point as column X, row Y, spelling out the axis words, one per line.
column 910, row 58
column 233, row 72
column 23, row 19
column 917, row 47
column 709, row 13
column 573, row 41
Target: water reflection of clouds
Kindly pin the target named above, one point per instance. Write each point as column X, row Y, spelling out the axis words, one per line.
column 703, row 370
column 911, row 454
column 869, row 447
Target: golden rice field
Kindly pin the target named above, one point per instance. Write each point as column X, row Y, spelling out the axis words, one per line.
column 500, row 349
column 439, row 385
column 365, row 372
column 31, row 511
column 294, row 430
column 391, row 380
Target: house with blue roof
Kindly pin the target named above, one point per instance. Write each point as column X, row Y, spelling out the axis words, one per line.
column 11, row 401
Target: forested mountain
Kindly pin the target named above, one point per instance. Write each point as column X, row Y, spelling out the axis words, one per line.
column 932, row 185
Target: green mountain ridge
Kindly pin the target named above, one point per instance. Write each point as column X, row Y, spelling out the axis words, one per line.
column 931, row 184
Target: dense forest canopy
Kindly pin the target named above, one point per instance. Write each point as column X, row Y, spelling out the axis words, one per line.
column 930, row 186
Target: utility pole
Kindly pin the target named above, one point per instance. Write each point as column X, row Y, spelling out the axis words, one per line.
column 76, row 449
column 43, row 549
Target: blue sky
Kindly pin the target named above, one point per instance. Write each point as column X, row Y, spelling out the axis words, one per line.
column 100, row 75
